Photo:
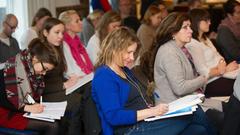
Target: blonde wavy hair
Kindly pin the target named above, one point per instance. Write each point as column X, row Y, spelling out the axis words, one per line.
column 115, row 44
column 65, row 16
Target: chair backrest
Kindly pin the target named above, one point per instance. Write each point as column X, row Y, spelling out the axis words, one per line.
column 90, row 118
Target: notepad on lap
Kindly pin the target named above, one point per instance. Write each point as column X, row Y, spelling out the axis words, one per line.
column 52, row 111
column 182, row 106
column 81, row 82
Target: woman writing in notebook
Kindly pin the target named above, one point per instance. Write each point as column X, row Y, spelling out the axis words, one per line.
column 22, row 78
column 121, row 102
column 56, row 84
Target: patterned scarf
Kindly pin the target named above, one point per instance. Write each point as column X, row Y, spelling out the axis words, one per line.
column 189, row 56
column 20, row 80
column 229, row 23
column 79, row 53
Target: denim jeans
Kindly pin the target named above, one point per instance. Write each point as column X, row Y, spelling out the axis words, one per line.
column 195, row 124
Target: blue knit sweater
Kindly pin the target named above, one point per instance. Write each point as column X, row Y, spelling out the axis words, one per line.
column 110, row 93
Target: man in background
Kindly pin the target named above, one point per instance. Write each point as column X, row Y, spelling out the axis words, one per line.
column 8, row 45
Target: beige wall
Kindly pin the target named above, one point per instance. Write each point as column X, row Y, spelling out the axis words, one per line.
column 62, row 3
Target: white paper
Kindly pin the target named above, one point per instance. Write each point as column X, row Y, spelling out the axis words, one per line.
column 52, row 111
column 186, row 111
column 28, row 115
column 2, row 65
column 81, row 82
column 182, row 106
column 184, row 102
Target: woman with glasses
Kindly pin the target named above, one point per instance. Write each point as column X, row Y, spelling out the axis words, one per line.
column 206, row 59
column 22, row 78
column 228, row 37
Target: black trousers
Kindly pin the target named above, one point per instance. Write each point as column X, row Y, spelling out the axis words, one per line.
column 231, row 124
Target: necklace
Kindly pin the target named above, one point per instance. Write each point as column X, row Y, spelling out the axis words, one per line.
column 136, row 85
column 119, row 72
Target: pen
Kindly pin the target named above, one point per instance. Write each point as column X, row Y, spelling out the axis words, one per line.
column 40, row 99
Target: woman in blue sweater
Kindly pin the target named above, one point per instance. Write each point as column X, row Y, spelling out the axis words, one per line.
column 121, row 101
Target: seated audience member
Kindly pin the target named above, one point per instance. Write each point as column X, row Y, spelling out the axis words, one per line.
column 147, row 31
column 55, row 83
column 144, row 6
column 37, row 24
column 109, row 21
column 174, row 75
column 231, row 124
column 121, row 103
column 228, row 37
column 78, row 63
column 89, row 25
column 77, row 59
column 125, row 8
column 8, row 45
column 21, row 79
column 206, row 59
column 160, row 4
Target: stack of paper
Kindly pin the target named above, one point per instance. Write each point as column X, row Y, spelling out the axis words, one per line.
column 2, row 65
column 183, row 106
column 81, row 82
column 52, row 111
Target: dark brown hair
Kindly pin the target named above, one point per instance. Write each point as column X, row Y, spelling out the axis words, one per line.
column 48, row 25
column 42, row 12
column 43, row 52
column 197, row 15
column 169, row 26
column 230, row 5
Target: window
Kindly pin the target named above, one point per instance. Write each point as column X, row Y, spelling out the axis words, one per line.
column 3, row 5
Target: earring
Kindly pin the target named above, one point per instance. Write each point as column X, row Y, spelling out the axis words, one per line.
column 173, row 37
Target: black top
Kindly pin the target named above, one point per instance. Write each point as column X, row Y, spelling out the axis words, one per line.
column 8, row 51
column 137, row 98
column 54, row 90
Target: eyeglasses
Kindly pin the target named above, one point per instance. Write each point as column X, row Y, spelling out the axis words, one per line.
column 11, row 27
column 44, row 68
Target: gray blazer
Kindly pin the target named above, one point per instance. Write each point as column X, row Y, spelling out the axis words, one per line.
column 173, row 74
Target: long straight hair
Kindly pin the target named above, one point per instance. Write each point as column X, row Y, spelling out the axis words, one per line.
column 48, row 25
column 196, row 16
column 102, row 26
